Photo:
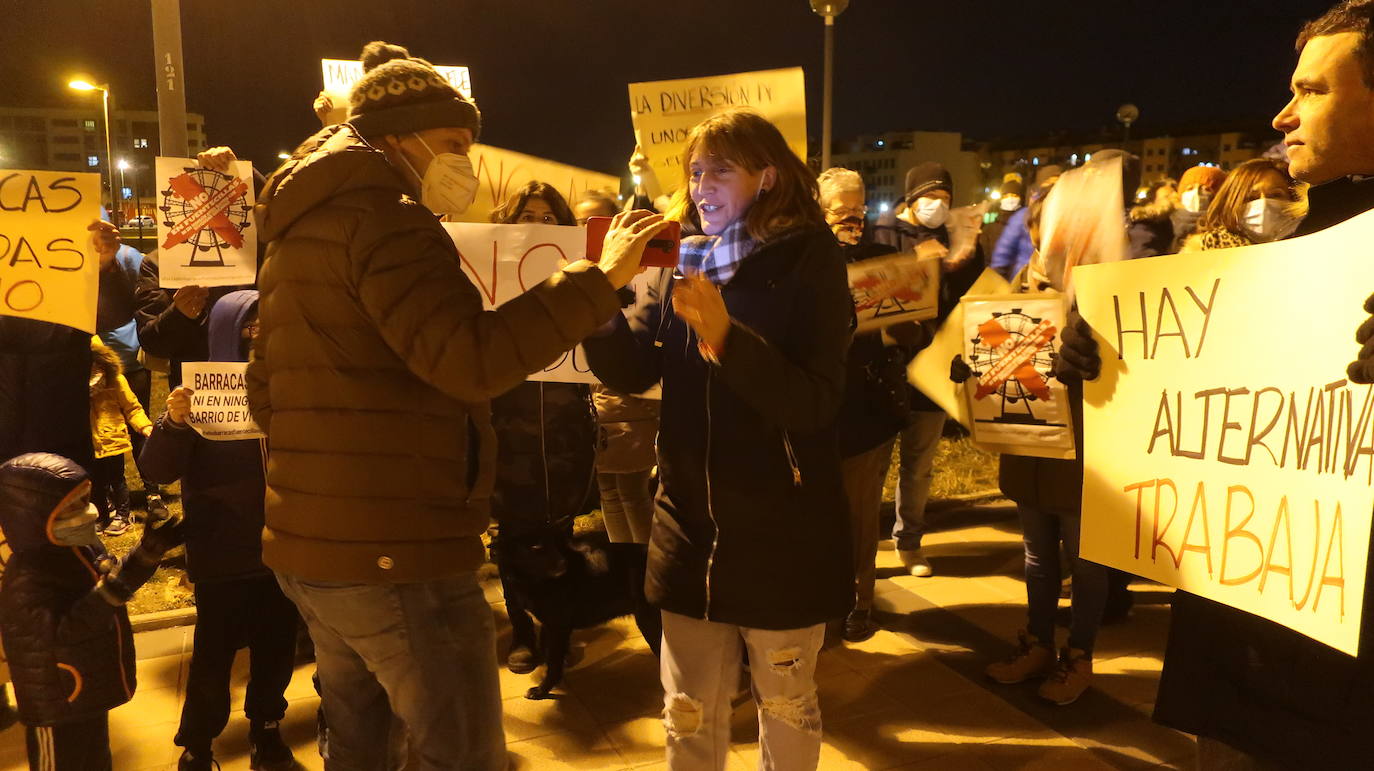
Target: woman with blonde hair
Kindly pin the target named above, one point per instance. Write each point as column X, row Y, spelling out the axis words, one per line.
column 749, row 547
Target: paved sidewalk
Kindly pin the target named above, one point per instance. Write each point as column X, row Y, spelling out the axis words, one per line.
column 913, row 697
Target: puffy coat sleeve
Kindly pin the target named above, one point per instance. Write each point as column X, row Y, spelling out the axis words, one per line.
column 626, row 358
column 410, row 282
column 801, row 392
column 167, row 453
column 255, row 380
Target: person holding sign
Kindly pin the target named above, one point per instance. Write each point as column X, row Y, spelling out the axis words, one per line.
column 1256, row 693
column 750, row 543
column 374, row 359
column 238, row 601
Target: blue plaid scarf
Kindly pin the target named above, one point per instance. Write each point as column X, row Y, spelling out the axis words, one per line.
column 717, row 257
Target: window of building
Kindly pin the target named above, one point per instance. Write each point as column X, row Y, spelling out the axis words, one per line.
column 140, row 143
column 126, row 192
column 92, row 160
column 89, row 125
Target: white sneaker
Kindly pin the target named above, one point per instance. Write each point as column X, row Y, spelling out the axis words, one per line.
column 915, row 563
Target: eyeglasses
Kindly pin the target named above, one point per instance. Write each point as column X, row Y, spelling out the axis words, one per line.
column 848, row 211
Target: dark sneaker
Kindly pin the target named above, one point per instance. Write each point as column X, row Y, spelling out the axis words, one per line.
column 522, row 660
column 201, row 761
column 267, row 751
column 157, row 510
column 859, row 626
column 119, row 525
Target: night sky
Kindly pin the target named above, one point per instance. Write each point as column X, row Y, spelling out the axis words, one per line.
column 550, row 75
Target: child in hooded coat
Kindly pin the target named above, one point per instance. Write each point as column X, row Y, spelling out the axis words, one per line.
column 62, row 618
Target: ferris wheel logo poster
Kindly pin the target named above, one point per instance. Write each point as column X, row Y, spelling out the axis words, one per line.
column 1016, row 405
column 206, row 236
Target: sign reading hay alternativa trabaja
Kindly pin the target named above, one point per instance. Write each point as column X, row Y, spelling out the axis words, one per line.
column 1227, row 453
column 893, row 288
column 505, row 260
column 205, row 231
column 48, row 269
column 664, row 112
column 219, row 402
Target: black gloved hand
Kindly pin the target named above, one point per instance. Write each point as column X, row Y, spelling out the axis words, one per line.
column 161, row 537
column 1361, row 370
column 1078, row 357
column 626, row 295
column 959, row 371
column 131, row 573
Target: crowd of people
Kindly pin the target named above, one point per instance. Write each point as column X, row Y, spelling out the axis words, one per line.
column 737, row 444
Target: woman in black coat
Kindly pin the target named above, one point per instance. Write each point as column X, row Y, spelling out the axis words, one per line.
column 750, row 543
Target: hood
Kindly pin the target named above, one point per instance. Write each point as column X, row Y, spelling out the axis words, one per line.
column 226, row 324
column 1151, row 212
column 333, row 162
column 32, row 488
column 107, row 361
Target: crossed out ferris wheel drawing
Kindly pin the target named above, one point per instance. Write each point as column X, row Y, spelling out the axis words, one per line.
column 207, row 210
column 1011, row 358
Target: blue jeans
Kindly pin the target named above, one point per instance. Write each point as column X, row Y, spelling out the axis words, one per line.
column 1042, row 531
column 915, row 469
column 426, row 651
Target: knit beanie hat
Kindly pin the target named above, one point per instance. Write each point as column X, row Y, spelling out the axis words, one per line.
column 400, row 94
column 1011, row 187
column 926, row 178
column 1209, row 177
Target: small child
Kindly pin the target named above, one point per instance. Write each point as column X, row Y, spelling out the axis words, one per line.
column 113, row 405
column 62, row 619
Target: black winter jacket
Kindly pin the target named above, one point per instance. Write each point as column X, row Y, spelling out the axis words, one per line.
column 546, row 454
column 70, row 651
column 1259, row 686
column 752, row 523
column 222, row 482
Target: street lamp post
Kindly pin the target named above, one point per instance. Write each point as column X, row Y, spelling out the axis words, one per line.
column 81, row 85
column 123, row 166
column 828, row 9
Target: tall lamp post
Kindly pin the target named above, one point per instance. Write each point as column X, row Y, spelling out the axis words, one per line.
column 828, row 9
column 81, row 85
column 1127, row 114
column 123, row 166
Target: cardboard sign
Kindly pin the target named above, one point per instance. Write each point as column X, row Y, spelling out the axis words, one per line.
column 894, row 288
column 1082, row 221
column 48, row 268
column 1227, row 453
column 929, row 371
column 205, row 232
column 341, row 74
column 665, row 111
column 502, row 172
column 219, row 406
column 505, row 260
column 1015, row 404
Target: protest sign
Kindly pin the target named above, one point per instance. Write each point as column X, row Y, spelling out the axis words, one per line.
column 205, row 231
column 341, row 74
column 1081, row 223
column 894, row 288
column 929, row 371
column 219, row 404
column 48, row 268
column 505, row 260
column 502, row 172
column 664, row 112
column 1016, row 405
column 1227, row 453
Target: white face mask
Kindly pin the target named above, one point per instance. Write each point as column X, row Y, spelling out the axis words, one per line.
column 449, row 185
column 1010, row 202
column 1267, row 219
column 1195, row 200
column 932, row 212
column 75, row 526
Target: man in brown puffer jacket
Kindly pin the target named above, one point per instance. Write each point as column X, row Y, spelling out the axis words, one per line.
column 373, row 360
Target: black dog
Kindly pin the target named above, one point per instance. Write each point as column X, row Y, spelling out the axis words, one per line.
column 568, row 582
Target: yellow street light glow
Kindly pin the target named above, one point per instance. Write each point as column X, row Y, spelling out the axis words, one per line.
column 123, row 165
column 284, row 156
column 81, row 85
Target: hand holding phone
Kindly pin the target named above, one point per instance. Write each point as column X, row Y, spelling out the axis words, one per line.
column 661, row 250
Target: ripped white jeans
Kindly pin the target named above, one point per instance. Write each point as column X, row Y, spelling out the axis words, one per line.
column 700, row 669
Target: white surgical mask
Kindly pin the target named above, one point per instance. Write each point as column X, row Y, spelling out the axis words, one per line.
column 449, row 185
column 1267, row 219
column 1010, row 202
column 932, row 212
column 75, row 526
column 1195, row 200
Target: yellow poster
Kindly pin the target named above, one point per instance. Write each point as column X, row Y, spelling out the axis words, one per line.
column 48, row 269
column 1226, row 452
column 664, row 112
column 502, row 172
column 929, row 371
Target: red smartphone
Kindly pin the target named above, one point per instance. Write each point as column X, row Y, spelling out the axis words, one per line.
column 662, row 251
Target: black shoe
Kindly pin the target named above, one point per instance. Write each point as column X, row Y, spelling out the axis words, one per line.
column 157, row 510
column 859, row 626
column 201, row 761
column 267, row 751
column 522, row 660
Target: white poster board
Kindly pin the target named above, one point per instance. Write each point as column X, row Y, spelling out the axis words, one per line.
column 341, row 74
column 219, row 402
column 206, row 234
column 505, row 260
